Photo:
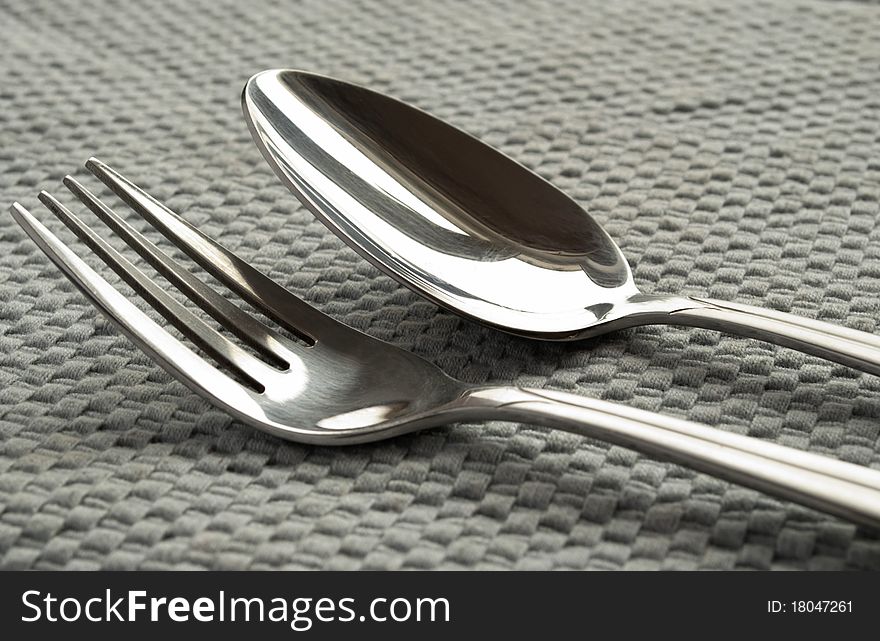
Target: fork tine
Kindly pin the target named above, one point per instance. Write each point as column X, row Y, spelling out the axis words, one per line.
column 190, row 325
column 179, row 360
column 263, row 293
column 246, row 327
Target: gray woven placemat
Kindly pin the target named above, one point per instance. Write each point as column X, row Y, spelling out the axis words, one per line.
column 733, row 150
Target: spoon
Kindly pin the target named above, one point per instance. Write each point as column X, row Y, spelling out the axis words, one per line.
column 473, row 230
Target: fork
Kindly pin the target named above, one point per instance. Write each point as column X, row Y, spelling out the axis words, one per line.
column 330, row 384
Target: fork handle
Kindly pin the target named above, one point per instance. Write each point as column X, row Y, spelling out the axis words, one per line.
column 850, row 347
column 846, row 490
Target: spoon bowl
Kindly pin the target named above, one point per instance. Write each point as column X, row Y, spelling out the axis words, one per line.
column 473, row 230
column 448, row 215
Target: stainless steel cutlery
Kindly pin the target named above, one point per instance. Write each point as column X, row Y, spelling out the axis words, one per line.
column 329, row 384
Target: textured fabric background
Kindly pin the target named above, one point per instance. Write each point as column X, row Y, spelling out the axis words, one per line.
column 730, row 148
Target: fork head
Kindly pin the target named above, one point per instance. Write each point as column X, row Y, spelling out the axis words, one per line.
column 329, row 384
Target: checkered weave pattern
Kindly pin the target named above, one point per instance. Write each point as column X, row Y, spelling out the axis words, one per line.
column 731, row 148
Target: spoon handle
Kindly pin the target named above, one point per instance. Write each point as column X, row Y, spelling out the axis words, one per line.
column 840, row 344
column 846, row 490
